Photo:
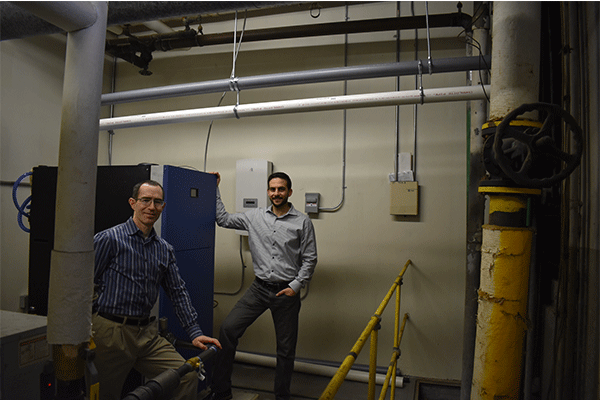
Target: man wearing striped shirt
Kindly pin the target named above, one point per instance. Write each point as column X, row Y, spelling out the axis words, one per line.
column 132, row 263
column 284, row 253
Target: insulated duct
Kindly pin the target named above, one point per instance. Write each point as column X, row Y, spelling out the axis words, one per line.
column 65, row 15
column 16, row 22
column 72, row 260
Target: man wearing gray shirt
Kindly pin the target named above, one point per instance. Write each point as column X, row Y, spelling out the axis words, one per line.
column 284, row 253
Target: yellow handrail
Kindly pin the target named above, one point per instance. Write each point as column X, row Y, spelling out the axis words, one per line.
column 371, row 329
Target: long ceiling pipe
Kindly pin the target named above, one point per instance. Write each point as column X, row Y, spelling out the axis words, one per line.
column 294, row 78
column 172, row 41
column 138, row 50
column 462, row 93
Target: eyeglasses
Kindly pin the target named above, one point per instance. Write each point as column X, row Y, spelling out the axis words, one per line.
column 147, row 200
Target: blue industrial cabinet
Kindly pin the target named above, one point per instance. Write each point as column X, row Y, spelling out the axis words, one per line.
column 188, row 224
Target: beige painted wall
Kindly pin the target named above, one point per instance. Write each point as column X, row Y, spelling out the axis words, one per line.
column 362, row 248
column 31, row 91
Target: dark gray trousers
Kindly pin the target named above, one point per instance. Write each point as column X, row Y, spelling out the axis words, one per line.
column 253, row 303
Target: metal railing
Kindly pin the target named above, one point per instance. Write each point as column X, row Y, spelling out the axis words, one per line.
column 372, row 330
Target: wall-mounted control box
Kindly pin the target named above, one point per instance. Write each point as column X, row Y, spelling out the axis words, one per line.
column 311, row 205
column 404, row 198
column 251, row 185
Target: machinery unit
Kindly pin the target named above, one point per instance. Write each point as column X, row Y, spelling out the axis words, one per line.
column 187, row 223
column 25, row 352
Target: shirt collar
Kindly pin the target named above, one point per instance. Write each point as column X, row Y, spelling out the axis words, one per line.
column 131, row 229
column 291, row 211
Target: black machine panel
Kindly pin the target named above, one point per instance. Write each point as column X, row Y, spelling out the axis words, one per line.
column 113, row 189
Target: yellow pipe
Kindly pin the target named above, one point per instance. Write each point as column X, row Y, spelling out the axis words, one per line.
column 502, row 313
column 342, row 371
column 391, row 373
column 388, row 376
column 68, row 363
column 396, row 338
column 373, row 364
column 508, row 190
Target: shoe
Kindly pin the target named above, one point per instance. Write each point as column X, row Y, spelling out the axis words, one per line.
column 220, row 396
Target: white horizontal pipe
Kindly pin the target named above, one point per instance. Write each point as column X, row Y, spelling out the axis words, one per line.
column 461, row 93
column 158, row 26
column 315, row 369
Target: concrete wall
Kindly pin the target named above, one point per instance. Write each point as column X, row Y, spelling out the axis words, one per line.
column 362, row 248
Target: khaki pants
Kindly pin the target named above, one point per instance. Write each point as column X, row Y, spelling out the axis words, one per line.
column 120, row 347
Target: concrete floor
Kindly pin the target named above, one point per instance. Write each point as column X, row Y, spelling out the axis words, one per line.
column 252, row 382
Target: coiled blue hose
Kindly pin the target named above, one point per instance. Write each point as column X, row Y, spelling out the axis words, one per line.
column 25, row 204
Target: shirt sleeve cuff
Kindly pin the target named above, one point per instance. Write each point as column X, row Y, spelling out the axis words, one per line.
column 295, row 285
column 194, row 332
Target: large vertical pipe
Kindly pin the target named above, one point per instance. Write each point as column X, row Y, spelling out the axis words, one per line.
column 72, row 260
column 502, row 311
column 506, row 240
column 477, row 116
column 515, row 56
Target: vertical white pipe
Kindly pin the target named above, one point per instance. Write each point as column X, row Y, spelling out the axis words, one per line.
column 72, row 262
column 516, row 56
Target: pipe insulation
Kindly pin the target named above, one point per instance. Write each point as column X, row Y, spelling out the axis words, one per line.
column 313, row 368
column 515, row 57
column 67, row 15
column 18, row 22
column 462, row 93
column 72, row 258
column 294, row 78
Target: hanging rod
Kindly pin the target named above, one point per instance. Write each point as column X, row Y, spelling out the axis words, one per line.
column 295, row 78
column 462, row 93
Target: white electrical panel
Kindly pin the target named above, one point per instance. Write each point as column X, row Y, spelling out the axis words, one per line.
column 251, row 185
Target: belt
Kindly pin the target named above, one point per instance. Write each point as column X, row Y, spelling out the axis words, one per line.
column 138, row 321
column 273, row 286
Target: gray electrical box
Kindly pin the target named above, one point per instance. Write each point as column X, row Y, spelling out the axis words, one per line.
column 311, row 205
column 25, row 350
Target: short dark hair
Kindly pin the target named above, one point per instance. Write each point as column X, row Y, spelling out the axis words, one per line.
column 281, row 175
column 136, row 188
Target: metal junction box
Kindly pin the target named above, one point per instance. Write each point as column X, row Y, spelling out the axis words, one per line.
column 404, row 198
